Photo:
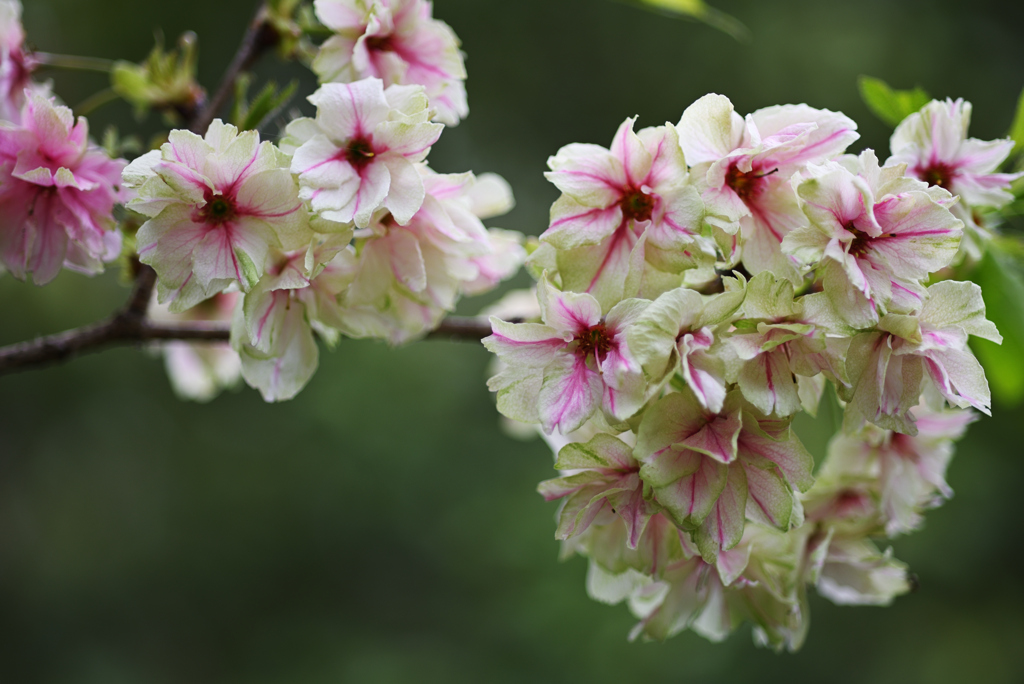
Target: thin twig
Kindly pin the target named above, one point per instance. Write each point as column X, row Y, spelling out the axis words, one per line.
column 125, row 329
column 74, row 62
column 259, row 38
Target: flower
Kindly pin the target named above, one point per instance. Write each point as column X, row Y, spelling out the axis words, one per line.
column 399, row 42
column 783, row 344
column 407, row 277
column 744, row 169
column 16, row 64
column 888, row 366
column 933, row 143
column 298, row 295
column 216, row 206
column 907, row 472
column 561, row 372
column 200, row 371
column 678, row 333
column 57, row 194
column 710, row 471
column 605, row 477
column 359, row 154
column 879, row 233
column 610, row 198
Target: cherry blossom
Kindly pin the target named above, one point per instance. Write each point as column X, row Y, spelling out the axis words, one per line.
column 408, row 277
column 610, row 199
column 359, row 154
column 878, row 234
column 16, row 63
column 399, row 42
column 560, row 372
column 216, row 206
column 57, row 194
column 744, row 168
column 711, row 471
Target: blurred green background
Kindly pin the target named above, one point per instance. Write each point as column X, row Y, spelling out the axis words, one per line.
column 380, row 527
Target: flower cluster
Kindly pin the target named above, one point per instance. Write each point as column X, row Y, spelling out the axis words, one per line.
column 702, row 283
column 341, row 228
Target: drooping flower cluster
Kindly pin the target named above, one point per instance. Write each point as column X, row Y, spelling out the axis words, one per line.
column 342, row 228
column 700, row 285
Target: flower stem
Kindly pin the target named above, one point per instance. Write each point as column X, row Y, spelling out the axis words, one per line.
column 94, row 102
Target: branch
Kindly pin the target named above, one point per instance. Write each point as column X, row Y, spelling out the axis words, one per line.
column 259, row 38
column 128, row 328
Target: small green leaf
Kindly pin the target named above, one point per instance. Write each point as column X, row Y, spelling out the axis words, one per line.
column 249, row 273
column 251, row 116
column 1003, row 289
column 701, row 11
column 891, row 106
column 1017, row 129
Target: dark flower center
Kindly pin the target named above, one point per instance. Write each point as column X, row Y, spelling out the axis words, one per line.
column 637, row 206
column 359, row 152
column 746, row 184
column 380, row 43
column 595, row 341
column 218, row 209
column 937, row 174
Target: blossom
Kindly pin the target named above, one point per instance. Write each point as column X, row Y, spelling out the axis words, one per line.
column 200, row 371
column 907, row 472
column 744, row 168
column 216, row 206
column 678, row 333
column 408, row 277
column 610, row 198
column 297, row 296
column 933, row 143
column 359, row 154
column 561, row 372
column 57, row 194
column 887, row 367
column 16, row 63
column 399, row 42
column 710, row 471
column 879, row 233
column 783, row 344
column 605, row 476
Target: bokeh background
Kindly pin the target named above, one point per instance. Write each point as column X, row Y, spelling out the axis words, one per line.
column 381, row 527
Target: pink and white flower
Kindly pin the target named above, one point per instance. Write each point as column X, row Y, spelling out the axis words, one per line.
column 57, row 194
column 577, row 362
column 711, row 471
column 745, row 168
column 217, row 206
column 16, row 63
column 908, row 472
column 879, row 233
column 681, row 332
column 297, row 296
column 933, row 143
column 605, row 477
column 399, row 42
column 199, row 371
column 610, row 198
column 359, row 155
column 408, row 277
column 887, row 367
column 783, row 347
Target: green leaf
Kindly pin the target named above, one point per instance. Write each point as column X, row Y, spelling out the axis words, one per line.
column 250, row 116
column 701, row 11
column 1002, row 287
column 1017, row 128
column 891, row 106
